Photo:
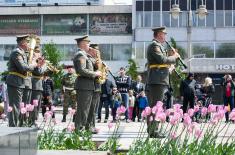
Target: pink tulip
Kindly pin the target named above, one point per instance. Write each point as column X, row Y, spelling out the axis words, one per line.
column 35, row 103
column 55, row 121
column 47, row 115
column 23, row 110
column 121, row 110
column 148, row 111
column 71, row 127
column 161, row 116
column 204, row 111
column 226, row 109
column 190, row 129
column 196, row 108
column 72, row 111
column 211, row 108
column 9, row 109
column 143, row 114
column 232, row 115
column 187, row 119
column 168, row 112
column 191, row 112
column 198, row 133
column 159, row 104
column 3, row 116
column 110, row 125
column 31, row 108
column 21, row 104
column 173, row 135
column 177, row 106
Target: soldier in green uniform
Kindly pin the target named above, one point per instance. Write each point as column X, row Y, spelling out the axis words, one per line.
column 19, row 69
column 37, row 76
column 85, row 82
column 159, row 63
column 68, row 91
column 93, row 55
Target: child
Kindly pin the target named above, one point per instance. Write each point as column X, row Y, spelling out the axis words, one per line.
column 143, row 103
column 131, row 103
column 116, row 102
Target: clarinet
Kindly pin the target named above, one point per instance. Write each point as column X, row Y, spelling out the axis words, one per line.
column 179, row 58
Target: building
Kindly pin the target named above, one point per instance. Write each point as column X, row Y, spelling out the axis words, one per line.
column 209, row 42
column 62, row 21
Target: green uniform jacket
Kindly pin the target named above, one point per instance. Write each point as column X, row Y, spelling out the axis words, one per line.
column 18, row 63
column 156, row 54
column 85, row 70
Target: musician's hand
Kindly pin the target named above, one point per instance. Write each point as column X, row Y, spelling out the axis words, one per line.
column 98, row 73
column 172, row 67
column 176, row 55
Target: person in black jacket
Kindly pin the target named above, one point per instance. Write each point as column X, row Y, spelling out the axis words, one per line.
column 124, row 84
column 105, row 98
column 187, row 92
column 137, row 87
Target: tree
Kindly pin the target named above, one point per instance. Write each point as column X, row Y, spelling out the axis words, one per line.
column 132, row 69
column 226, row 50
column 54, row 56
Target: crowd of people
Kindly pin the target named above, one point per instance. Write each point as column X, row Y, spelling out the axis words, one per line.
column 87, row 88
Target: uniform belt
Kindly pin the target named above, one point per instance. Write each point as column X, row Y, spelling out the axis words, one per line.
column 21, row 75
column 68, row 88
column 159, row 66
column 37, row 77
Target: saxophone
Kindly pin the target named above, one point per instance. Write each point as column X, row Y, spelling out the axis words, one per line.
column 99, row 65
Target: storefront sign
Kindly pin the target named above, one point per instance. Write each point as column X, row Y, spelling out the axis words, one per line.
column 13, row 25
column 225, row 67
column 110, row 24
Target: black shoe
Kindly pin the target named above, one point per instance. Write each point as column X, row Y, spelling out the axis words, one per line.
column 106, row 120
column 99, row 120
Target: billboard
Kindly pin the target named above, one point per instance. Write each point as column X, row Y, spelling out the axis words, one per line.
column 13, row 25
column 104, row 24
column 64, row 24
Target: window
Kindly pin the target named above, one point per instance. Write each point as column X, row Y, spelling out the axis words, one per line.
column 228, row 18
column 225, row 50
column 139, row 50
column 202, row 50
column 219, row 19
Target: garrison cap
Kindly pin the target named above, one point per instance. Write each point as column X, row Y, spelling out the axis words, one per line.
column 160, row 29
column 84, row 38
column 22, row 37
column 95, row 46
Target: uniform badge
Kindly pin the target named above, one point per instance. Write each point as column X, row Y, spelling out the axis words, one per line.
column 157, row 49
column 82, row 60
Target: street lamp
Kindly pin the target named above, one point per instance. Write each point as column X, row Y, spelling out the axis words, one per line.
column 201, row 11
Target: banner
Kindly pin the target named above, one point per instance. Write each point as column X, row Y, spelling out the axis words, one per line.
column 24, row 24
column 64, row 24
column 110, row 24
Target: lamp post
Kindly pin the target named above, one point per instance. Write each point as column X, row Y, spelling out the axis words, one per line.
column 201, row 11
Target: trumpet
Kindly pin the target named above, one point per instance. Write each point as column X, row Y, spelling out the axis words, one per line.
column 50, row 67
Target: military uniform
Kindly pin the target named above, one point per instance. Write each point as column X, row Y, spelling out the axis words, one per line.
column 16, row 81
column 37, row 89
column 68, row 82
column 158, row 71
column 84, row 85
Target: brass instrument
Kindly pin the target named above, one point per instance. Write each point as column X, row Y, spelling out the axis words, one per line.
column 32, row 44
column 99, row 65
column 50, row 67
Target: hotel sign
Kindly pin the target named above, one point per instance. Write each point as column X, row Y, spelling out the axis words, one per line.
column 225, row 67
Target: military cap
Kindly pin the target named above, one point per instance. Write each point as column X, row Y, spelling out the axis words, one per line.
column 22, row 37
column 160, row 29
column 69, row 66
column 84, row 38
column 95, row 46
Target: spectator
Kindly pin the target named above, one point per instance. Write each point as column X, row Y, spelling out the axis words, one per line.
column 228, row 93
column 105, row 98
column 208, row 89
column 137, row 87
column 187, row 92
column 123, row 85
column 48, row 88
column 143, row 103
column 131, row 103
column 116, row 102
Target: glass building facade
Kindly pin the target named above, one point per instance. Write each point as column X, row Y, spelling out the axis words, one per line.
column 221, row 16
